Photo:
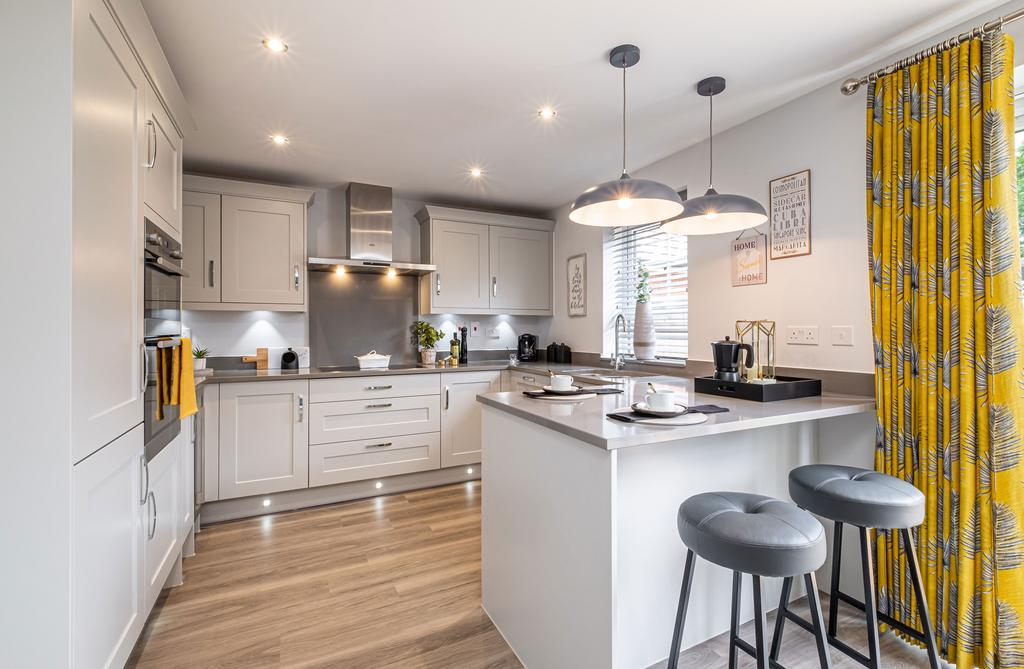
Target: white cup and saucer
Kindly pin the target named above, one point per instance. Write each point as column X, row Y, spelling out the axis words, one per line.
column 561, row 384
column 660, row 403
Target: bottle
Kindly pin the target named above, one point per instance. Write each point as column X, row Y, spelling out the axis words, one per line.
column 455, row 352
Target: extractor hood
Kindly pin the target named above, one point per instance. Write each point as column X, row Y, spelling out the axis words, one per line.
column 369, row 227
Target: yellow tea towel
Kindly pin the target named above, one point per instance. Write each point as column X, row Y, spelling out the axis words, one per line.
column 175, row 379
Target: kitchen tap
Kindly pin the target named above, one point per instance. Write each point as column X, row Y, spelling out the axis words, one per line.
column 617, row 361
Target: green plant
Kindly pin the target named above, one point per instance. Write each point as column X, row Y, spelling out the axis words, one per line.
column 425, row 335
column 643, row 288
column 200, row 353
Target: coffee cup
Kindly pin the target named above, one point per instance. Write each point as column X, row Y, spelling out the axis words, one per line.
column 662, row 400
column 561, row 382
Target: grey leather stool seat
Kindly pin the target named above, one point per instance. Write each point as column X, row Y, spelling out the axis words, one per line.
column 756, row 535
column 868, row 500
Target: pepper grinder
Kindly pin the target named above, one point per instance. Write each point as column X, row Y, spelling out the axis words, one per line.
column 463, row 349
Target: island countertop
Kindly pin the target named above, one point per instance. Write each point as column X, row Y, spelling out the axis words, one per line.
column 585, row 420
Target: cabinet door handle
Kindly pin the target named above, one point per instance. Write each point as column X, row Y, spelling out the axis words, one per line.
column 145, row 472
column 302, row 408
column 438, row 290
column 296, row 277
column 381, row 445
column 150, row 144
column 211, row 273
column 151, row 499
column 529, row 379
column 447, row 397
column 377, row 388
column 145, row 369
column 494, row 286
column 378, row 406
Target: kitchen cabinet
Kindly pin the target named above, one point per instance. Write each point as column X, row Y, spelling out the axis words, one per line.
column 107, row 545
column 373, row 419
column 200, row 231
column 162, row 174
column 187, row 476
column 162, row 521
column 487, row 263
column 460, row 415
column 108, row 136
column 518, row 381
column 348, row 461
column 244, row 245
column 263, row 438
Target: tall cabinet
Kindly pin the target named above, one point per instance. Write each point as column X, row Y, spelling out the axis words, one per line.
column 487, row 263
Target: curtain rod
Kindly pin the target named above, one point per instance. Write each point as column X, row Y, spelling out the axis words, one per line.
column 852, row 85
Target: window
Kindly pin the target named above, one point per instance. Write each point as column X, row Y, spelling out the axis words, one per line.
column 664, row 256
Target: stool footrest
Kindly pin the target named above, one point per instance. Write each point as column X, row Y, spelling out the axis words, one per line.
column 850, row 652
column 882, row 617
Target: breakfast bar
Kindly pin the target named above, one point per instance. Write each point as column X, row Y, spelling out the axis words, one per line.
column 581, row 558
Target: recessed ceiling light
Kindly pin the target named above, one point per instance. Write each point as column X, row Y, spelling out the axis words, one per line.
column 476, row 172
column 280, row 140
column 275, row 45
column 547, row 113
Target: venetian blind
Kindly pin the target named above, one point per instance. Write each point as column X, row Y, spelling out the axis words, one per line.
column 664, row 255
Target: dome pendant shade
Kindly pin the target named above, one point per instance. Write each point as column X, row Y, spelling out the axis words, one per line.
column 624, row 202
column 712, row 214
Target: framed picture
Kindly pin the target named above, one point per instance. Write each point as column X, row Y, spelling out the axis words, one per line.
column 790, row 217
column 576, row 272
column 749, row 260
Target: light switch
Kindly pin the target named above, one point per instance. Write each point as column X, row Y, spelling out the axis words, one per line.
column 842, row 335
column 493, row 332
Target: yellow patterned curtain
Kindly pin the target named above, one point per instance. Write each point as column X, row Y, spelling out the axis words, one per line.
column 946, row 308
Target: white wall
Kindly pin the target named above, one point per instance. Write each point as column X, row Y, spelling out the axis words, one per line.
column 35, row 262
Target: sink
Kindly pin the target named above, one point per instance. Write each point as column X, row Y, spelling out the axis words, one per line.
column 611, row 376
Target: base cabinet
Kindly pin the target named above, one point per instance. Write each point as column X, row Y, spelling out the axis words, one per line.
column 517, row 382
column 349, row 461
column 460, row 415
column 109, row 532
column 162, row 518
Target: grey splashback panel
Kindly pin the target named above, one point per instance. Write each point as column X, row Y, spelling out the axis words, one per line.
column 354, row 313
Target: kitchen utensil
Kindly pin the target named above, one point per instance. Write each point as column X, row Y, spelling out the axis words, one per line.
column 289, row 360
column 647, row 410
column 726, row 353
column 561, row 382
column 572, row 390
column 626, row 416
column 275, row 353
column 784, row 388
column 261, row 358
column 527, row 350
column 373, row 360
column 541, row 395
column 463, row 346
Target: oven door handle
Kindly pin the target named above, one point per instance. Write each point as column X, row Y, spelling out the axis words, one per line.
column 162, row 265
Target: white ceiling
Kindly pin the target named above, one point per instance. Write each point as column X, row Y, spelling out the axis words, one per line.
column 412, row 93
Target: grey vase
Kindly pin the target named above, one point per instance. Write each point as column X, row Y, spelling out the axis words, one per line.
column 644, row 337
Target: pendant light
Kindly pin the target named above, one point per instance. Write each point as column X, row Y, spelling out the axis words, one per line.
column 714, row 212
column 625, row 201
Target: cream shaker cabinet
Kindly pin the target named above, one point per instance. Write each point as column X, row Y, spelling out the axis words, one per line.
column 162, row 519
column 162, row 173
column 244, row 245
column 263, row 438
column 460, row 415
column 487, row 263
column 107, row 377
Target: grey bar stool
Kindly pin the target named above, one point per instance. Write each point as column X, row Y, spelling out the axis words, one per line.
column 866, row 499
column 756, row 535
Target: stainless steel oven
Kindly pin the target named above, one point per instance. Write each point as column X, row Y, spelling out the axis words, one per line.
column 162, row 328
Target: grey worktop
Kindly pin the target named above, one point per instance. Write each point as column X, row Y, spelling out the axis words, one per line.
column 585, row 420
column 245, row 375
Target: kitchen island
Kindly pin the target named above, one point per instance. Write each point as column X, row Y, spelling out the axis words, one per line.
column 581, row 558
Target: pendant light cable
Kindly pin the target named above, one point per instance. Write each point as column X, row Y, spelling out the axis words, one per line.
column 624, row 121
column 711, row 141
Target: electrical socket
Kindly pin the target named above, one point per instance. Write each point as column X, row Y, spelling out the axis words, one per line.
column 474, row 328
column 493, row 333
column 842, row 335
column 802, row 335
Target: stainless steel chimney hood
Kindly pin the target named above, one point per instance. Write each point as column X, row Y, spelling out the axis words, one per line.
column 369, row 226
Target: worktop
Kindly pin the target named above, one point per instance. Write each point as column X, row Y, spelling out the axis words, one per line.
column 585, row 420
column 246, row 375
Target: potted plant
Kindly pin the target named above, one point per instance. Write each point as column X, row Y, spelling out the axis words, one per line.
column 199, row 357
column 643, row 320
column 426, row 336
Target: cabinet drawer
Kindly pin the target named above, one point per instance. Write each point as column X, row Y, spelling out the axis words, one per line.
column 373, row 458
column 370, row 419
column 373, row 387
column 526, row 380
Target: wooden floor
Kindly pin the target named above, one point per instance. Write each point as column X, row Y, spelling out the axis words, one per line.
column 387, row 582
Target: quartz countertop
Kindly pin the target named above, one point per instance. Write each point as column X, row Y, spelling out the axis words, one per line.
column 585, row 420
column 245, row 375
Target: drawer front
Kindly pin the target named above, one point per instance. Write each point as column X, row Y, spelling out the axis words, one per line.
column 373, row 458
column 526, row 380
column 371, row 387
column 373, row 418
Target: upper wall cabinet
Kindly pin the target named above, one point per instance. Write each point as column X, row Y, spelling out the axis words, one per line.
column 162, row 173
column 244, row 245
column 486, row 263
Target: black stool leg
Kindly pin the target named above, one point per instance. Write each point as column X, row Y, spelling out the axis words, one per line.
column 684, row 600
column 780, row 619
column 922, row 603
column 734, row 622
column 760, row 625
column 833, row 593
column 870, row 602
column 811, row 583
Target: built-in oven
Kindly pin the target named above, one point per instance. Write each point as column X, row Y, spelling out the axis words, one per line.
column 162, row 328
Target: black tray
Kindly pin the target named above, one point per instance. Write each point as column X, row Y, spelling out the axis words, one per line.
column 784, row 388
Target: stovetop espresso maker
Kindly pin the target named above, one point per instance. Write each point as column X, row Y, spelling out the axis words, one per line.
column 727, row 358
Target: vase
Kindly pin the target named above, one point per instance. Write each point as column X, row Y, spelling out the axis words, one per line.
column 198, row 363
column 643, row 332
column 428, row 356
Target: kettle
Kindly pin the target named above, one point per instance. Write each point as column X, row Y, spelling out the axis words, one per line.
column 727, row 358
